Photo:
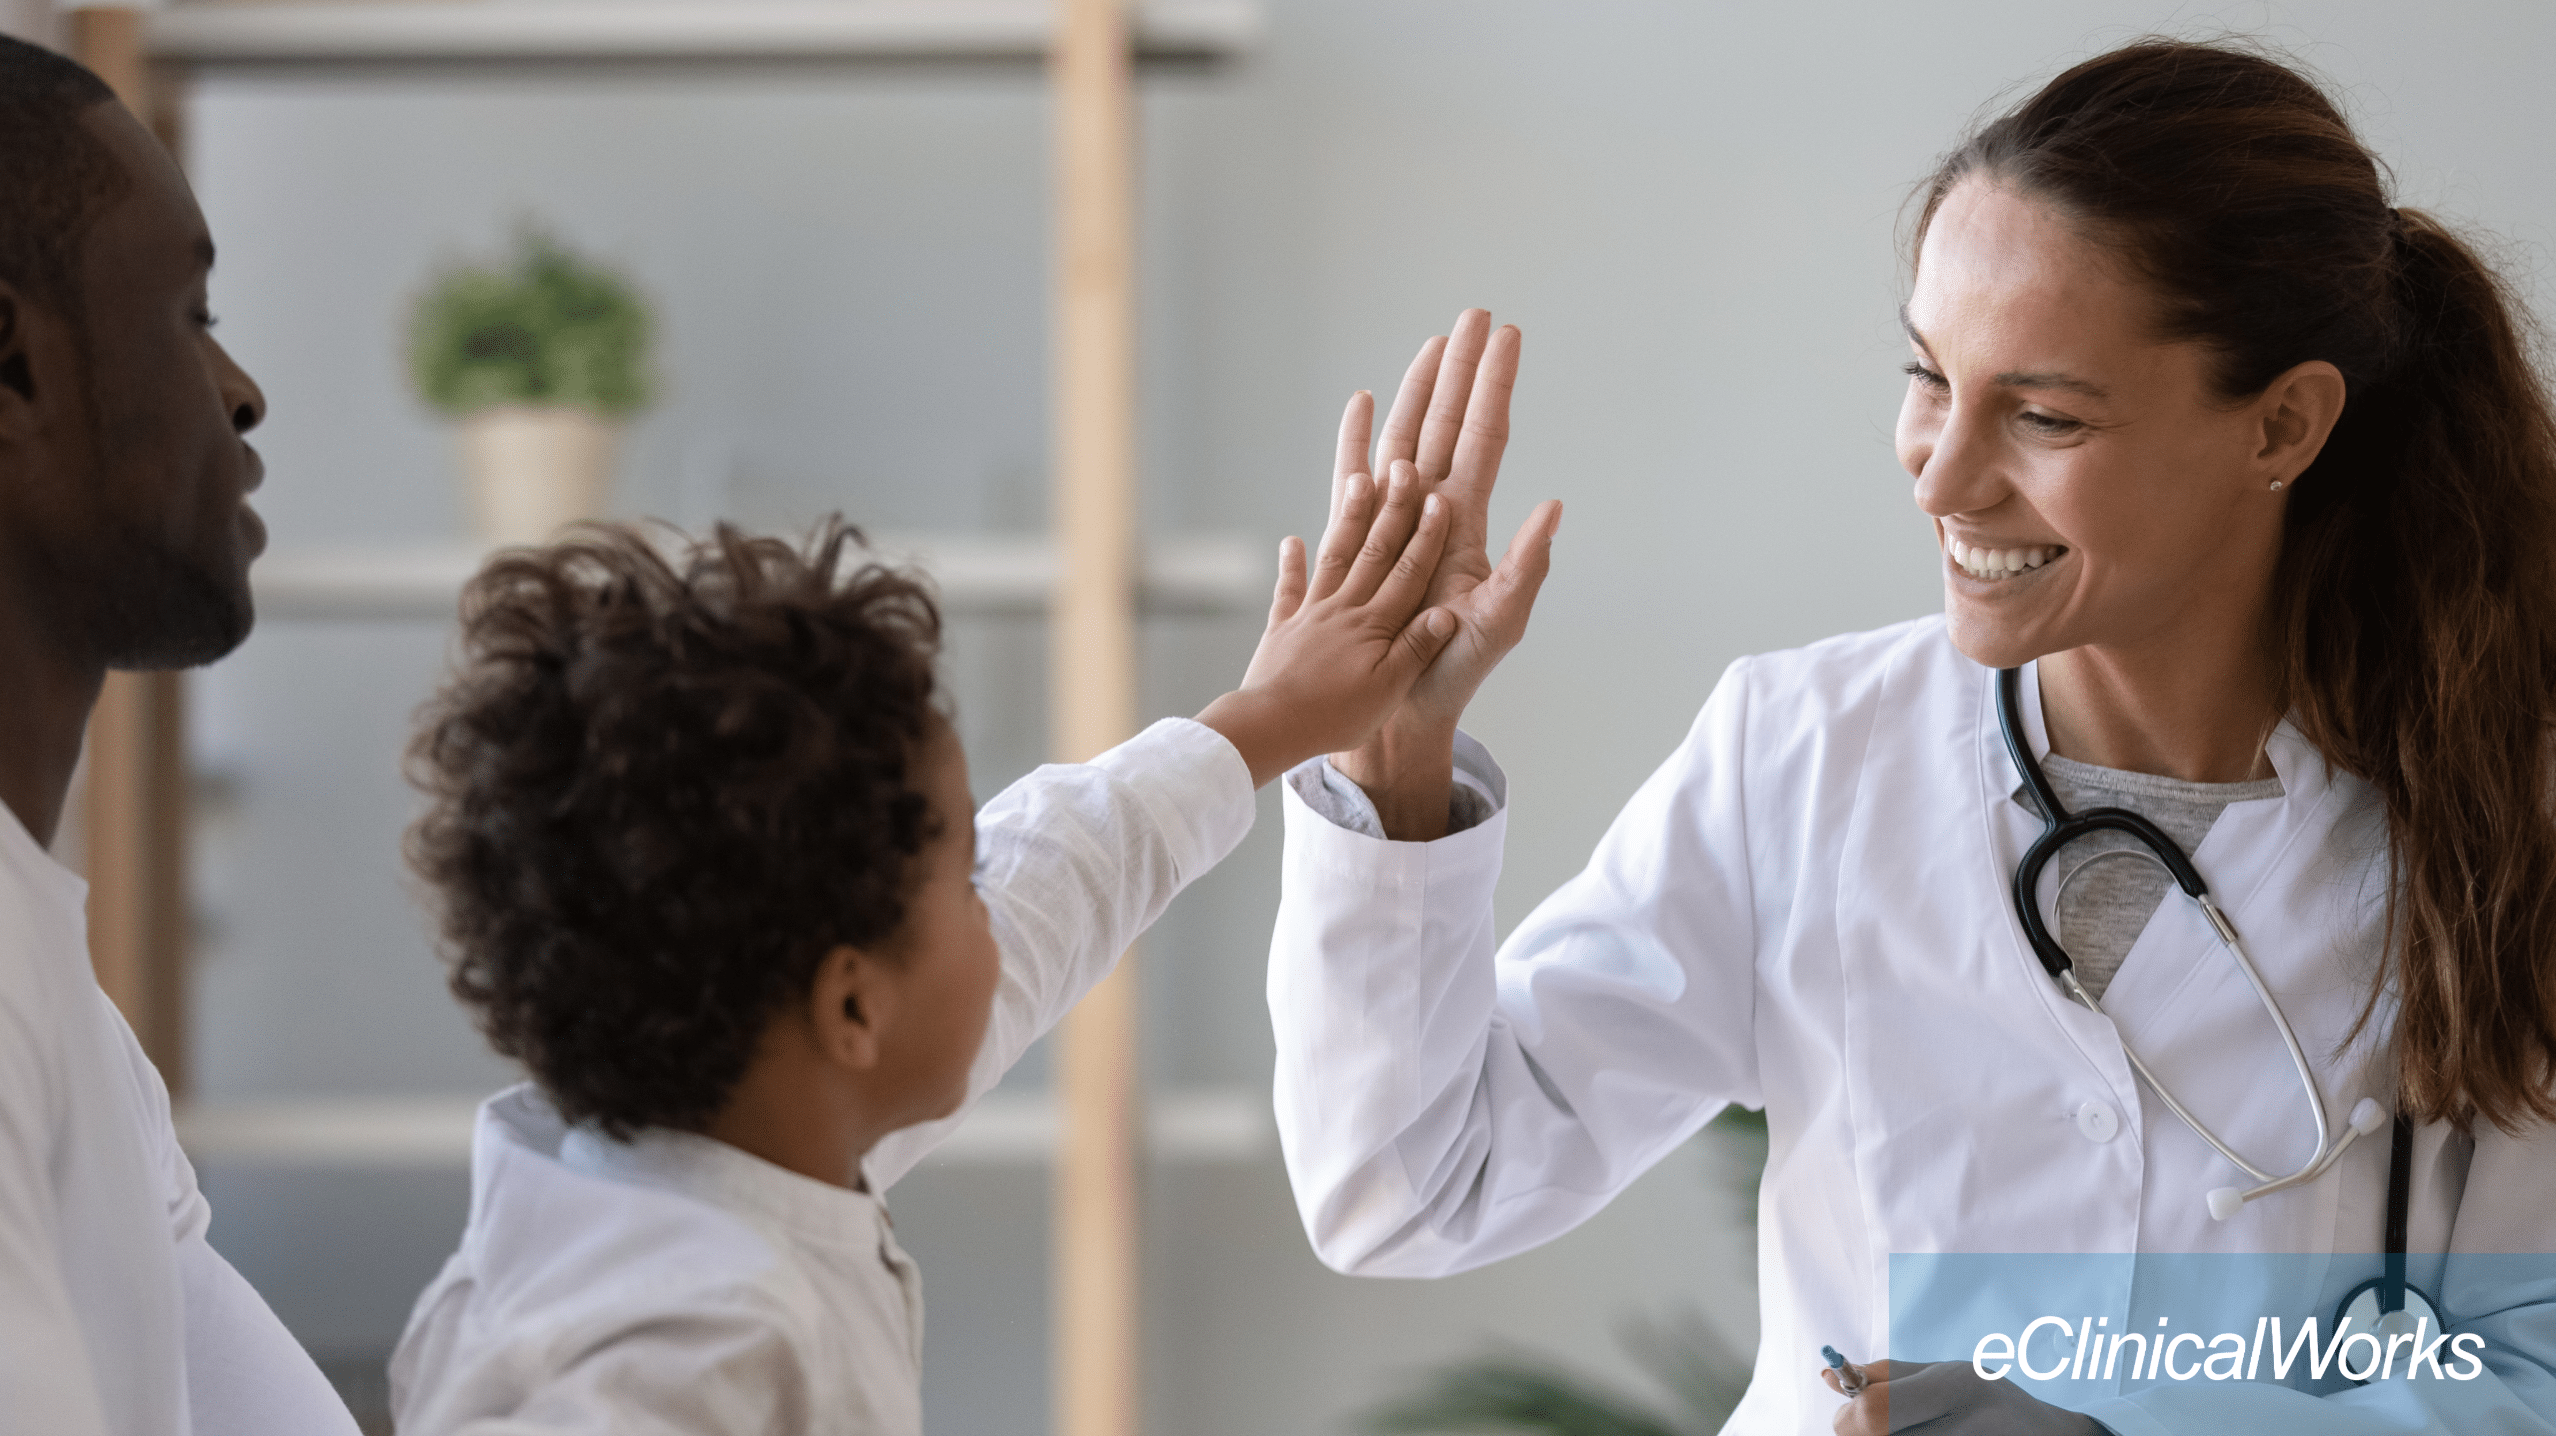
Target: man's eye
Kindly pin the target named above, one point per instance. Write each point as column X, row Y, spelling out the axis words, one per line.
column 207, row 318
column 1923, row 375
column 2050, row 424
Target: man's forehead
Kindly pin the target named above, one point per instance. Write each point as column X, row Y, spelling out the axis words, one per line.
column 155, row 220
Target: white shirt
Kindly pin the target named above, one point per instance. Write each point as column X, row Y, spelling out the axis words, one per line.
column 116, row 1319
column 674, row 1284
column 1806, row 909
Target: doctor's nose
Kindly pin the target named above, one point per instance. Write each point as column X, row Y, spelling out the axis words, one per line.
column 1954, row 473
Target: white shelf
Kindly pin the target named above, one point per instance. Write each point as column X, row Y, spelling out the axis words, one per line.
column 976, row 573
column 217, row 32
column 1201, row 1124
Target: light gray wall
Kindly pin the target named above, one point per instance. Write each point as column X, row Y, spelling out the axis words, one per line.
column 1689, row 207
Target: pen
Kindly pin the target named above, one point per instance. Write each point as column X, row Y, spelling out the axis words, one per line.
column 1850, row 1377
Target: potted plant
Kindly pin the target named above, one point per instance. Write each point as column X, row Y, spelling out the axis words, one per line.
column 540, row 362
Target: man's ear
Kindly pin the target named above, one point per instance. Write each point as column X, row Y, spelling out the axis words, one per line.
column 2299, row 410
column 15, row 374
column 850, row 1004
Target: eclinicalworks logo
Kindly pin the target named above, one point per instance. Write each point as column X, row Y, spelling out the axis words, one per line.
column 2228, row 1356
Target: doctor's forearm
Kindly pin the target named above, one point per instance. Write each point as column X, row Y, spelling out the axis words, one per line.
column 1408, row 771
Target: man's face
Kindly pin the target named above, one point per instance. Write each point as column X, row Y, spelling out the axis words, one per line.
column 133, row 513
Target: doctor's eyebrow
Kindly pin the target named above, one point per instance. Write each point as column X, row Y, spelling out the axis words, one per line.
column 2016, row 378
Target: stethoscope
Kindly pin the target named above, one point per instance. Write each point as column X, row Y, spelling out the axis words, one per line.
column 2388, row 1298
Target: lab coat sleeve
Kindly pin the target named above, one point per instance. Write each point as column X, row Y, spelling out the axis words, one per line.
column 1443, row 1105
column 1074, row 861
column 2498, row 1283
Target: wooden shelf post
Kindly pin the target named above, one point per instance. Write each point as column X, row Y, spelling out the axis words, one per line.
column 1093, row 687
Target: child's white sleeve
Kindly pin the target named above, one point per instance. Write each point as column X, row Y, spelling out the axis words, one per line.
column 1074, row 861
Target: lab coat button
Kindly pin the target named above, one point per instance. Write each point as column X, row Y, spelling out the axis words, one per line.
column 2097, row 1122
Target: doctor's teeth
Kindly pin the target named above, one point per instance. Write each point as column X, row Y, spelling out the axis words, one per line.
column 1996, row 563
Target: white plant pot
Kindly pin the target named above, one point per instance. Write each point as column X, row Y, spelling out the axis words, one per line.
column 532, row 468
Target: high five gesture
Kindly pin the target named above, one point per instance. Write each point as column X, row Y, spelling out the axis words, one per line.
column 1448, row 428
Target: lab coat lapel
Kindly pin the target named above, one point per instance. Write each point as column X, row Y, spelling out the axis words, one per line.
column 1986, row 1117
column 2299, row 877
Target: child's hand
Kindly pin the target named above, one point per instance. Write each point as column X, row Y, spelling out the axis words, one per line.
column 1343, row 645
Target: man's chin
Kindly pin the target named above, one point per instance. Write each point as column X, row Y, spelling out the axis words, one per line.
column 175, row 614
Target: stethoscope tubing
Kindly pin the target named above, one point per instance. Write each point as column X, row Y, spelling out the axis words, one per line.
column 2393, row 1294
column 2059, row 828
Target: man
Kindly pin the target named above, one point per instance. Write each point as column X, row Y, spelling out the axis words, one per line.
column 125, row 541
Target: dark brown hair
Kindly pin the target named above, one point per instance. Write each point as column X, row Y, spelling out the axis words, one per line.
column 2413, row 624
column 661, row 792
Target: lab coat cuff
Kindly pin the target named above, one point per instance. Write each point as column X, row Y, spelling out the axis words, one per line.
column 1480, row 790
column 1195, row 786
column 1460, row 868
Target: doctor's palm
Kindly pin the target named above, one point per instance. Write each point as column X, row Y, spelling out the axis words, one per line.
column 1450, row 421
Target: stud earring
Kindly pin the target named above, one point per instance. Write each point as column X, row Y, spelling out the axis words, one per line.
column 2276, row 485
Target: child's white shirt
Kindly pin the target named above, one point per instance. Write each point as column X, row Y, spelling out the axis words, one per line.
column 675, row 1284
column 670, row 1283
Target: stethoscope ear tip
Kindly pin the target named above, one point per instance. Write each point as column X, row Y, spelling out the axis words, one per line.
column 2226, row 1202
column 2368, row 1116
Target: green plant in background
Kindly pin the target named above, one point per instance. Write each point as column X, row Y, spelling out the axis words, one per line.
column 551, row 328
column 1527, row 1395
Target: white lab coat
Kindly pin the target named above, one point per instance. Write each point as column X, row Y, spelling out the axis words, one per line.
column 1806, row 909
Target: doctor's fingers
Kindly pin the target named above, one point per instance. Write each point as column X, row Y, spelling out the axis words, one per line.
column 1410, row 405
column 1408, row 519
column 1481, row 438
column 1949, row 1397
column 1341, row 541
column 1501, row 604
column 1451, row 396
column 1357, row 433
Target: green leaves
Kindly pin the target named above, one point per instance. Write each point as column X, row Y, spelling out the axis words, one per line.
column 551, row 329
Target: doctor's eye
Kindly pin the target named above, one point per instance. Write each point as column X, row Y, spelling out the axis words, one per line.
column 1925, row 377
column 2049, row 426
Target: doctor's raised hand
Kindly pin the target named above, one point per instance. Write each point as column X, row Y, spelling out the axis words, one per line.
column 1448, row 428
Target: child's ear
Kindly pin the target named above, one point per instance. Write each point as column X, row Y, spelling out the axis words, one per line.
column 850, row 1004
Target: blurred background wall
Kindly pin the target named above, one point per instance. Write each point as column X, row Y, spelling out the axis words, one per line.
column 1691, row 209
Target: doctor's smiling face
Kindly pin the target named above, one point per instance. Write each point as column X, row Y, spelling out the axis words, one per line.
column 2088, row 484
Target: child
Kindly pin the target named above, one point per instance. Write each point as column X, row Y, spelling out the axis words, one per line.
column 702, row 841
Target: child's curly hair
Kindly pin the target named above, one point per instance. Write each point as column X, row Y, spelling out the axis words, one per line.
column 661, row 792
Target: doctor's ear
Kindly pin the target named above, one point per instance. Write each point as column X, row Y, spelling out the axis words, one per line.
column 849, row 1005
column 2298, row 411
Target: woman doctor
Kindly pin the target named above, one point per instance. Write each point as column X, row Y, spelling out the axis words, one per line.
column 2248, row 474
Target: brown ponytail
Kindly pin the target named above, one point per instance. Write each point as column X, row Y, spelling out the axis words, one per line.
column 2414, row 613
